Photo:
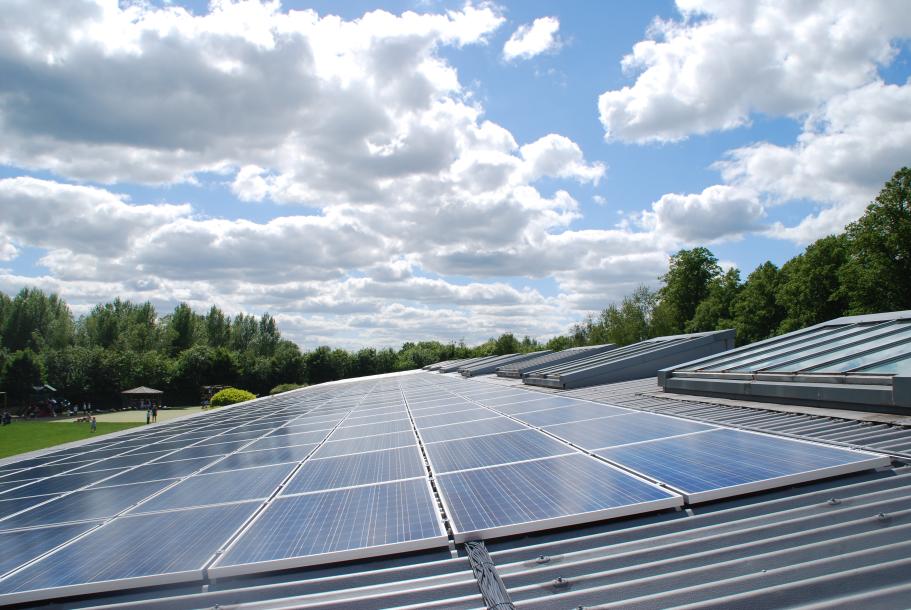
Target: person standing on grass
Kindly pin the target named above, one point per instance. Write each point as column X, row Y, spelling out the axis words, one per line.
column 154, row 412
column 94, row 424
column 148, row 416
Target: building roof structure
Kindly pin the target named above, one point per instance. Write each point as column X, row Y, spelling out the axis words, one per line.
column 840, row 540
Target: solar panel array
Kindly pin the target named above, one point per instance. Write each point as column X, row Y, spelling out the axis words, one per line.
column 361, row 469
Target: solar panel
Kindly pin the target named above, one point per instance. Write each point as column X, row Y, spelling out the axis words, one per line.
column 335, row 525
column 84, row 505
column 206, row 450
column 358, row 469
column 11, row 507
column 721, row 463
column 366, row 443
column 542, row 494
column 624, row 429
column 400, row 425
column 287, row 440
column 578, row 412
column 22, row 546
column 61, row 483
column 160, row 470
column 130, row 551
column 466, row 429
column 452, row 418
column 266, row 457
column 492, row 449
column 219, row 487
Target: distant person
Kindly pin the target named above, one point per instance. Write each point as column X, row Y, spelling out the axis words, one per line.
column 154, row 413
column 148, row 416
column 94, row 424
column 7, row 418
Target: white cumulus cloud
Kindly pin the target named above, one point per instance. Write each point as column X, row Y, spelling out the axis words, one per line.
column 531, row 40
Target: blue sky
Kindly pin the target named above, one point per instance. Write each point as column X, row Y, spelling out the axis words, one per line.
column 372, row 173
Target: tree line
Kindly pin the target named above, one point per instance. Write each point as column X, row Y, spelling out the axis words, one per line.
column 864, row 269
column 120, row 344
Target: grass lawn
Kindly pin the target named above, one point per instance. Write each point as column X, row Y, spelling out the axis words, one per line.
column 23, row 436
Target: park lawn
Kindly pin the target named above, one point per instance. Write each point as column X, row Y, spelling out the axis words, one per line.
column 23, row 436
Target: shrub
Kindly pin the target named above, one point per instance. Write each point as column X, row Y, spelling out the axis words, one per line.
column 286, row 387
column 230, row 396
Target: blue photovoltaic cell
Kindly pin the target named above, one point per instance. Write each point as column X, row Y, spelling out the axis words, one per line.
column 8, row 486
column 533, row 404
column 366, row 443
column 341, row 520
column 23, row 546
column 401, row 425
column 288, row 431
column 578, row 412
column 362, row 420
column 84, row 505
column 159, row 470
column 358, row 469
column 38, row 472
column 452, row 418
column 287, row 440
column 130, row 547
column 623, row 429
column 21, row 464
column 294, row 428
column 206, row 451
column 230, row 486
column 266, row 457
column 493, row 449
column 452, row 408
column 466, row 429
column 125, row 461
column 514, row 398
column 238, row 436
column 725, row 458
column 9, row 507
column 163, row 446
column 568, row 486
column 65, row 482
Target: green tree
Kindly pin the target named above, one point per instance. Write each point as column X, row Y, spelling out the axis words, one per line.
column 37, row 321
column 686, row 284
column 876, row 275
column 757, row 314
column 181, row 329
column 505, row 344
column 716, row 312
column 626, row 323
column 809, row 290
column 267, row 335
column 560, row 342
column 243, row 332
column 218, row 328
column 22, row 370
column 288, row 364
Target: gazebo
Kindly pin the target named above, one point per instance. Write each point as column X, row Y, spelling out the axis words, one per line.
column 141, row 398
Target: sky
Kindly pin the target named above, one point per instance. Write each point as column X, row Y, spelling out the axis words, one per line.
column 372, row 173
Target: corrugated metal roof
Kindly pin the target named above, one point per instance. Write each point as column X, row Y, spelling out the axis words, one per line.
column 841, row 542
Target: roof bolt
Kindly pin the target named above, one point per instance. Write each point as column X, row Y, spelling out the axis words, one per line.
column 559, row 581
column 542, row 559
column 834, row 501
